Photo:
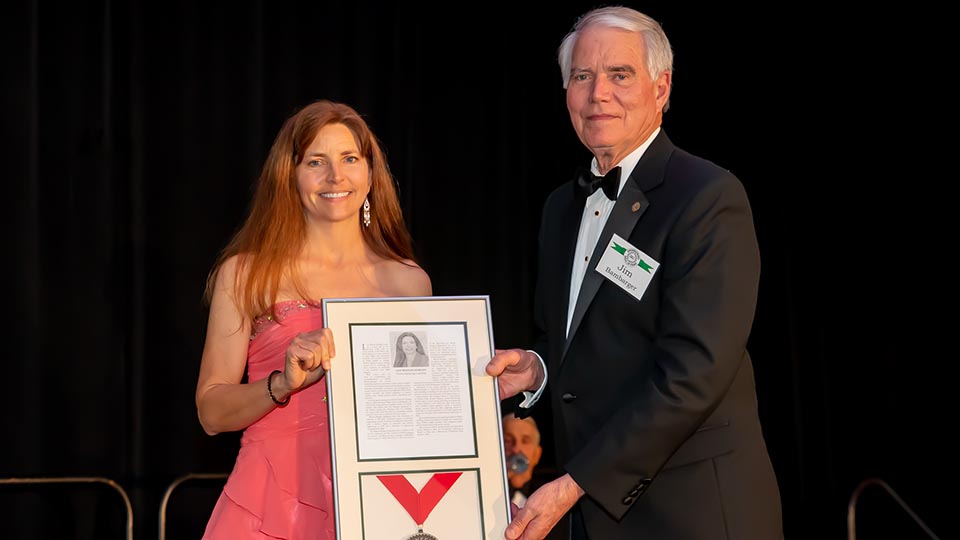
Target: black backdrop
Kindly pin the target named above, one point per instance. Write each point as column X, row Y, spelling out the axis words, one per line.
column 132, row 133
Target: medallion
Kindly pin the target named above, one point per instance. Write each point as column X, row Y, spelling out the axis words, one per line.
column 422, row 536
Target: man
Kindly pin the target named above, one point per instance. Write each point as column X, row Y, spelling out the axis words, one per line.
column 645, row 304
column 520, row 438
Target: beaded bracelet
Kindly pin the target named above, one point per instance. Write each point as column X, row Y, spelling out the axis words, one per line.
column 270, row 389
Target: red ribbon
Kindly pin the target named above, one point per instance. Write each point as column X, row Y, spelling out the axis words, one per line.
column 419, row 504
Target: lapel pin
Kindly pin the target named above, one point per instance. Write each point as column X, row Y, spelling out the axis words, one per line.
column 635, row 207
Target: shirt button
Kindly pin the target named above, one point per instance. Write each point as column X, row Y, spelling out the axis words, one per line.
column 587, row 258
column 597, row 213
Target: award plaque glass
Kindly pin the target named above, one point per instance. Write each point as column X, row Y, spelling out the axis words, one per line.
column 415, row 420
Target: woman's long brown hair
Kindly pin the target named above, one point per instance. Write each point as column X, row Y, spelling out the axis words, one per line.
column 274, row 232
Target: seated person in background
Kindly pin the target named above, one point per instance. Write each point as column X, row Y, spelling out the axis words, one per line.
column 521, row 443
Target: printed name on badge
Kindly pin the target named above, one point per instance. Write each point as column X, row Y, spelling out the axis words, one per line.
column 627, row 267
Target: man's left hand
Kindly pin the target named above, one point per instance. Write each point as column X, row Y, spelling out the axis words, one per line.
column 544, row 509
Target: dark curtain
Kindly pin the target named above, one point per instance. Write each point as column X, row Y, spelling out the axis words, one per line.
column 132, row 134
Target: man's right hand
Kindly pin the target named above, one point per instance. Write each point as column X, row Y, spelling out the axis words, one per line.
column 518, row 371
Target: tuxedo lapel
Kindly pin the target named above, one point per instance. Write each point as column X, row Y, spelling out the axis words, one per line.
column 631, row 204
column 567, row 240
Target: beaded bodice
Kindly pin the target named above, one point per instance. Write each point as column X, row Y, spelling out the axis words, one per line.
column 281, row 310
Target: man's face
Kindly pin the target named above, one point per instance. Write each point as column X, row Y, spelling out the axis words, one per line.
column 521, row 436
column 613, row 104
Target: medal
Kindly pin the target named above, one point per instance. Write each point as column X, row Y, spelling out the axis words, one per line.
column 422, row 536
column 419, row 504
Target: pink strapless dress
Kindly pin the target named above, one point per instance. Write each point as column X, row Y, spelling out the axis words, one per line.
column 281, row 485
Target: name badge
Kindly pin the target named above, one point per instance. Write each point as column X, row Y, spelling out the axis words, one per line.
column 627, row 267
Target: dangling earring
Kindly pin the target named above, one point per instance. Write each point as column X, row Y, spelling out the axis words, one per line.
column 366, row 212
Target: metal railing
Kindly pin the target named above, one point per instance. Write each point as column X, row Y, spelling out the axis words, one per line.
column 173, row 485
column 79, row 480
column 852, row 508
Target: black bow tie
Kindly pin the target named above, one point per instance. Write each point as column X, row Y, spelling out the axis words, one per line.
column 587, row 183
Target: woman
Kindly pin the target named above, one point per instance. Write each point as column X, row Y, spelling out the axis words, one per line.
column 325, row 222
column 410, row 351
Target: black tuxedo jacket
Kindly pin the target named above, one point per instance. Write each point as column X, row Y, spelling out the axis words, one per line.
column 654, row 404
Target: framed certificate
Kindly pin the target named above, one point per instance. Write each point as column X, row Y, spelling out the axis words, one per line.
column 415, row 420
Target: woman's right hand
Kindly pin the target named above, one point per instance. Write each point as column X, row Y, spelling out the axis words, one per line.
column 308, row 358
